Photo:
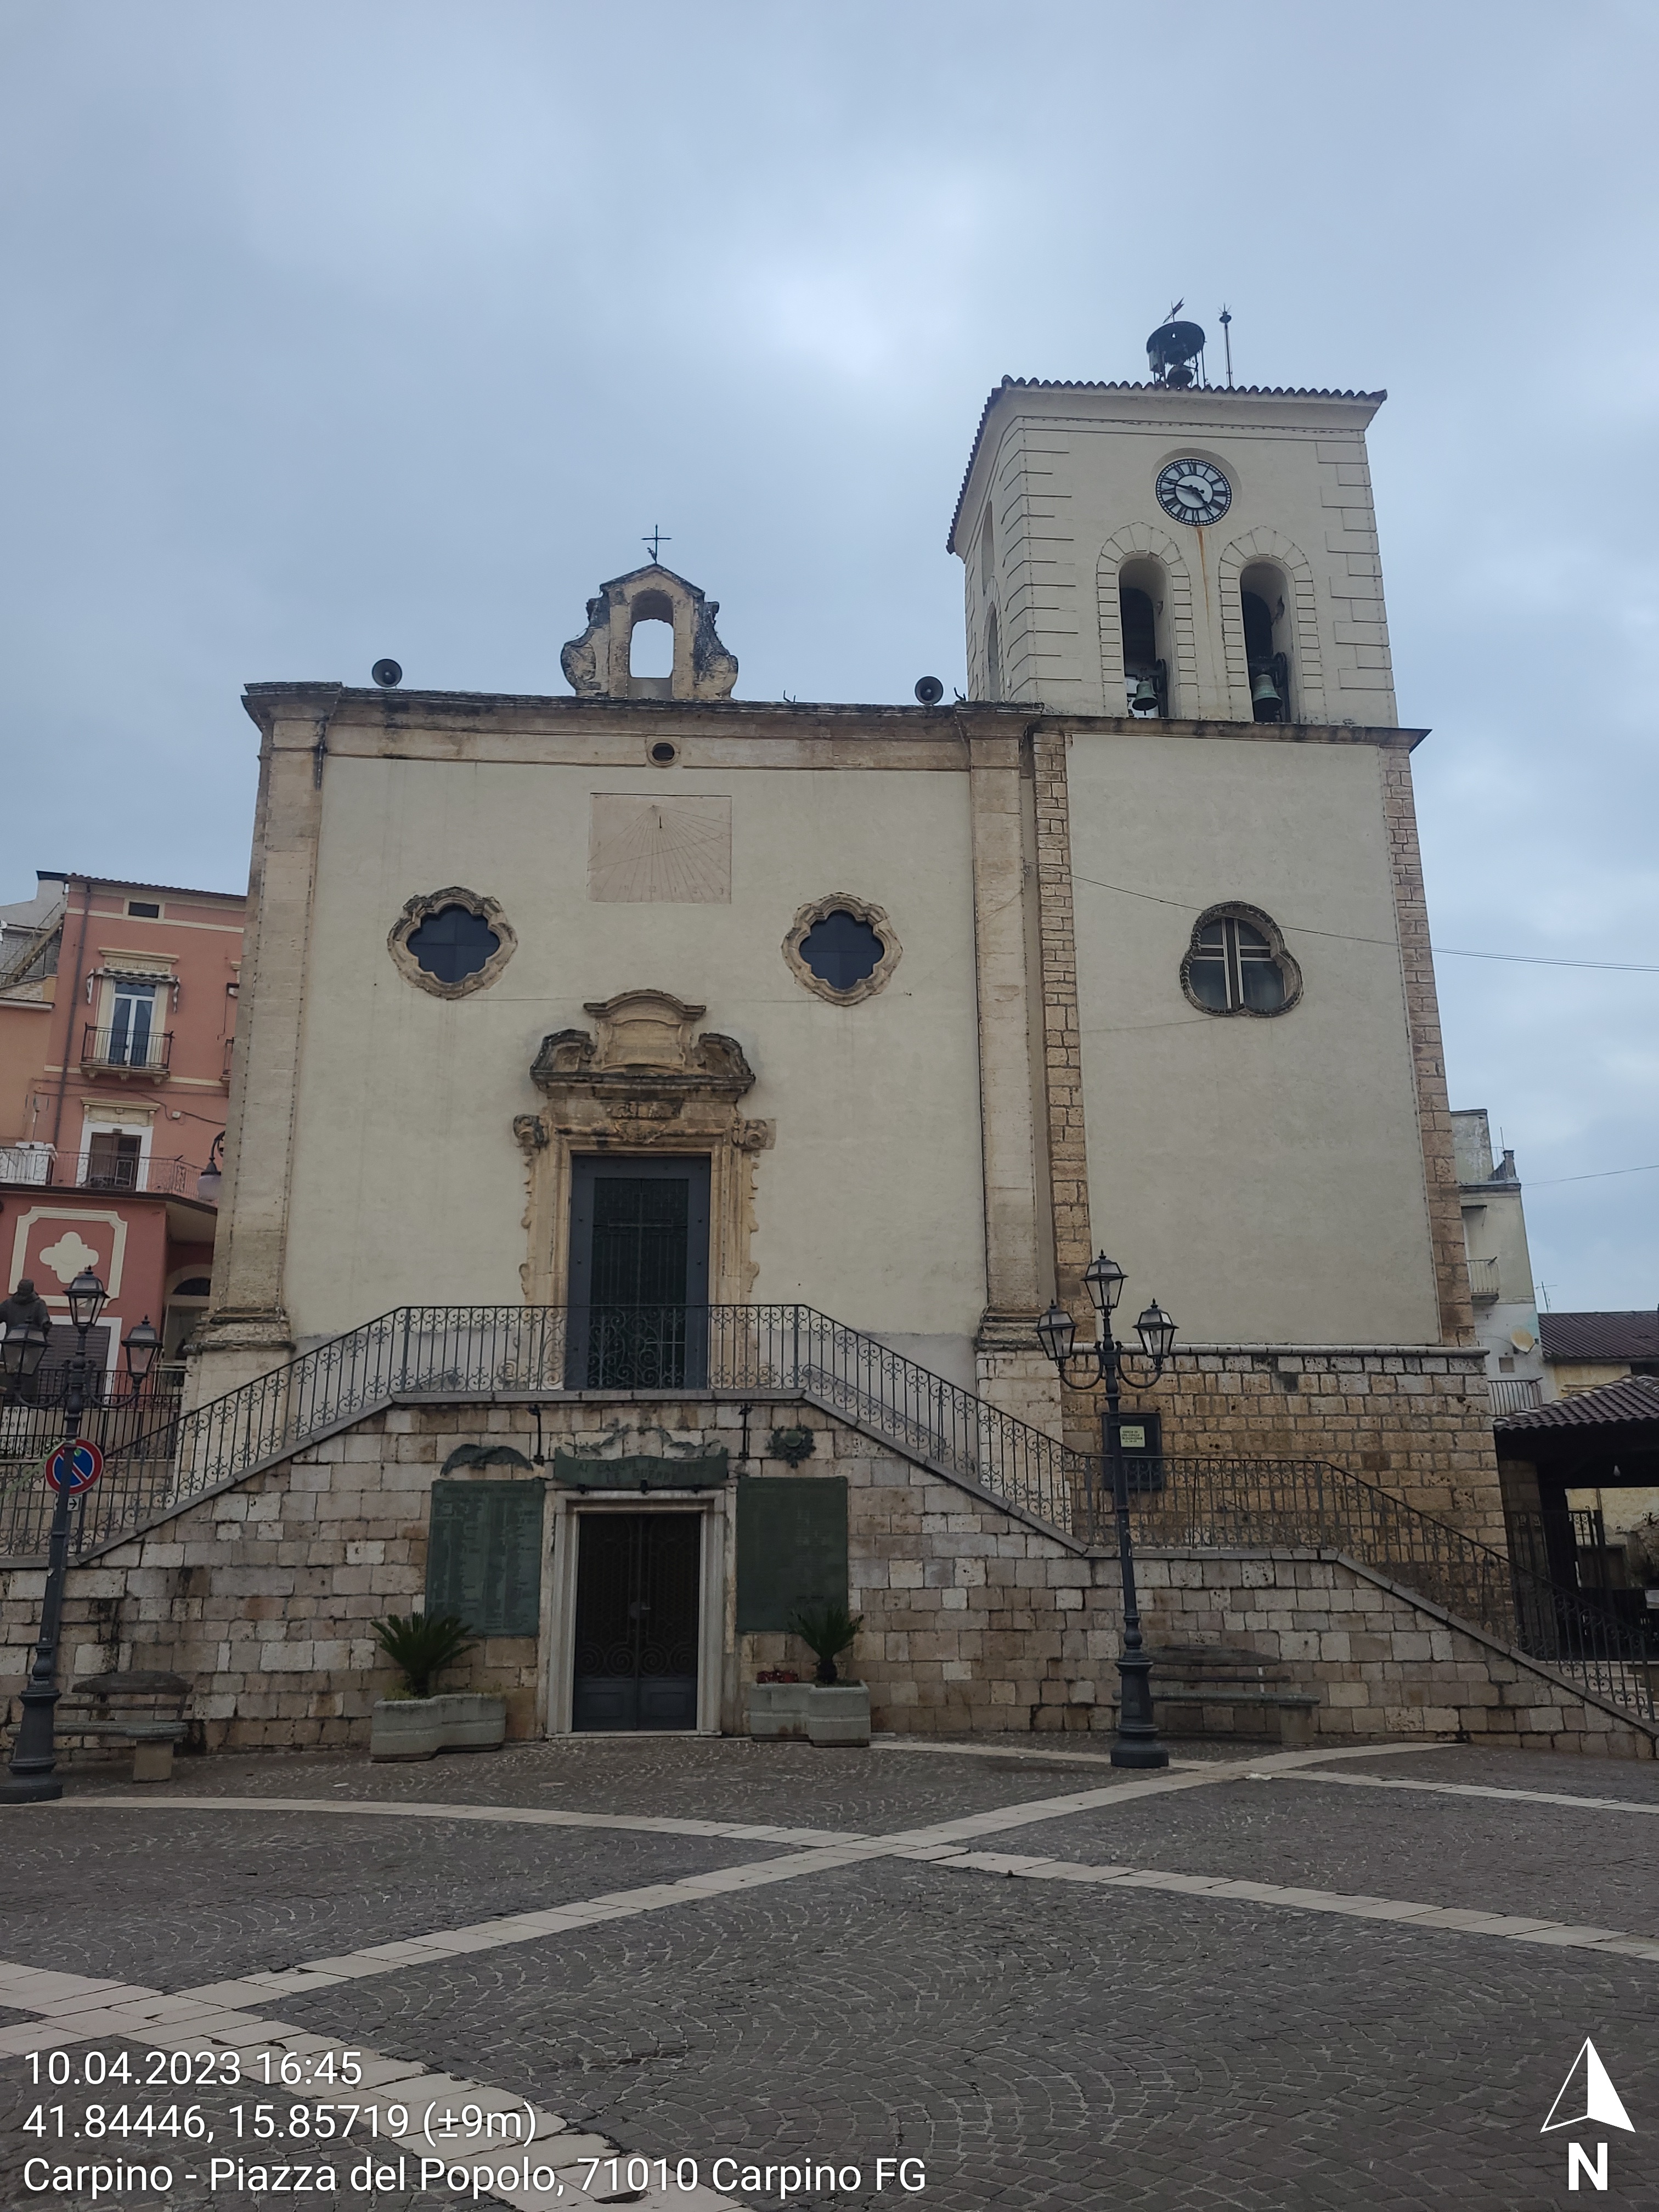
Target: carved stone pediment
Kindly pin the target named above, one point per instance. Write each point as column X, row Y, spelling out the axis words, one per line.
column 644, row 1063
column 645, row 1084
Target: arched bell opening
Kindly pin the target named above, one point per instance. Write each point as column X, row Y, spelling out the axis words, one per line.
column 992, row 657
column 1265, row 601
column 651, row 645
column 1142, row 603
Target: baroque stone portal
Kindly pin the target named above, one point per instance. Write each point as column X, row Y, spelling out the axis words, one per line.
column 645, row 1084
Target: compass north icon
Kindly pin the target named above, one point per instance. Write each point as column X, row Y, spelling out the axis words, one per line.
column 1586, row 2098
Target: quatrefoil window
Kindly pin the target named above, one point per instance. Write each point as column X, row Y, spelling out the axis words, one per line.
column 843, row 948
column 452, row 942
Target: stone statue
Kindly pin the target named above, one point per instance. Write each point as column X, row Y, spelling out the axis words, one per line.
column 23, row 1308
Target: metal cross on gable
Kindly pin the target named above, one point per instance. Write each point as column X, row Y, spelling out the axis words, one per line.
column 656, row 540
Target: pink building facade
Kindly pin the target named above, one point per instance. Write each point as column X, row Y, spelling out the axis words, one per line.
column 118, row 1005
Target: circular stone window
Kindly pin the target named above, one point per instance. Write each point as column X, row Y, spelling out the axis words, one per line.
column 452, row 942
column 843, row 948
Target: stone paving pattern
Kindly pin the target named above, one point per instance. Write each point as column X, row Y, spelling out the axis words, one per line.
column 1472, row 1853
column 1041, row 2046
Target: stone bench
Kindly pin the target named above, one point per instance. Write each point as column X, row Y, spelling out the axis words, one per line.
column 1224, row 1678
column 144, row 1707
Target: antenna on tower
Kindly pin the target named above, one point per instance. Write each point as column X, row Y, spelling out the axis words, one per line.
column 1227, row 336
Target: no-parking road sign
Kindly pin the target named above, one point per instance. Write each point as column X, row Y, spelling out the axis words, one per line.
column 75, row 1467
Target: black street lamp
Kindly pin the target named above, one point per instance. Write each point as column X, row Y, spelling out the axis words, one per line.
column 140, row 1348
column 1136, row 1743
column 34, row 1752
column 22, row 1347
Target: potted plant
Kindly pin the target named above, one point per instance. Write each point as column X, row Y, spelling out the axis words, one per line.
column 777, row 1706
column 419, row 1722
column 836, row 1712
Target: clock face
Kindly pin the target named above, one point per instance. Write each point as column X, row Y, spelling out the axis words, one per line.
column 1194, row 491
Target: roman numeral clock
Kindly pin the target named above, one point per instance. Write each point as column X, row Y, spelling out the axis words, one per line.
column 1194, row 491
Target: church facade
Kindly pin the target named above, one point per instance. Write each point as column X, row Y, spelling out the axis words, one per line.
column 902, row 1011
column 660, row 1118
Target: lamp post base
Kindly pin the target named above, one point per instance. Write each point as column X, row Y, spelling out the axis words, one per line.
column 1136, row 1743
column 30, row 1789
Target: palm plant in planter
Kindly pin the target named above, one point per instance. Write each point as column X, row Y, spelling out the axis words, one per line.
column 422, row 1646
column 826, row 1630
column 837, row 1712
column 423, row 1722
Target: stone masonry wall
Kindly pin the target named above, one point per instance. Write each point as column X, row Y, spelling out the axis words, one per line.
column 1416, row 1424
column 973, row 1618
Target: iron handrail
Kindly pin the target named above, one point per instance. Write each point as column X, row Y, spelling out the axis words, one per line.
column 449, row 1352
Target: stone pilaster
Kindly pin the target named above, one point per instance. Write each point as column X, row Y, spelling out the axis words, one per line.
column 1451, row 1273
column 1012, row 1372
column 246, row 1332
column 1062, row 1061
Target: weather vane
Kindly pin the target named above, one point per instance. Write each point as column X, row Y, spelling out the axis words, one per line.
column 656, row 540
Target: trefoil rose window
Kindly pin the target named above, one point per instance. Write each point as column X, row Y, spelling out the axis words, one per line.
column 843, row 948
column 453, row 944
column 1237, row 963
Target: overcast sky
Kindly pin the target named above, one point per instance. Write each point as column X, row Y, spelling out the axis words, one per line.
column 380, row 326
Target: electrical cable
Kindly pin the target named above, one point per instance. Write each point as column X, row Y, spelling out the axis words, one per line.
column 1440, row 951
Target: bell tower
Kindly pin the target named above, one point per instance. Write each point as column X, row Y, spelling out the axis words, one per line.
column 1176, row 550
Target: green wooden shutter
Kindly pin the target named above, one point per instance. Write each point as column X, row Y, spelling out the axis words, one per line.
column 484, row 1558
column 791, row 1547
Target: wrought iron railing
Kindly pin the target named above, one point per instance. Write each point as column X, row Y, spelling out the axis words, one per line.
column 125, row 1047
column 161, row 1458
column 98, row 1171
column 450, row 1351
column 134, row 1427
column 1305, row 1504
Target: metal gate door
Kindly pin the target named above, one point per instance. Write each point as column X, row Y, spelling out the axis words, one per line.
column 637, row 1577
column 638, row 1273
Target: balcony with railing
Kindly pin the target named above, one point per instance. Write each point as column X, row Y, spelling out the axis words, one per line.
column 103, row 1169
column 1484, row 1285
column 125, row 1050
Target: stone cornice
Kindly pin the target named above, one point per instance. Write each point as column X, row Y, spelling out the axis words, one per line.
column 724, row 732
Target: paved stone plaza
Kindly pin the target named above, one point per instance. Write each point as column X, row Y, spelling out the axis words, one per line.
column 1286, row 1980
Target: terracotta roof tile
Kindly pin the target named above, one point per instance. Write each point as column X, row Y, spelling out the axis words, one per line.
column 1600, row 1335
column 1635, row 1398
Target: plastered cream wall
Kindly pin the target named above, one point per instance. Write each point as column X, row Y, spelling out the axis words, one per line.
column 408, row 1183
column 1264, row 1177
column 1068, row 473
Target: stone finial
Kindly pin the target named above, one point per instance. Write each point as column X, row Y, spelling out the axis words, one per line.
column 595, row 664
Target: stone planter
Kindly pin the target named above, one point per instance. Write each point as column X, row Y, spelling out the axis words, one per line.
column 777, row 1711
column 420, row 1728
column 840, row 1714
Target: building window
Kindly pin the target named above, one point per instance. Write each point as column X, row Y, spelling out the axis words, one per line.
column 452, row 942
column 843, row 948
column 146, row 909
column 132, row 1010
column 1237, row 963
column 992, row 657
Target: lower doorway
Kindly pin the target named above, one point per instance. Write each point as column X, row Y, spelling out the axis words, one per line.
column 638, row 1578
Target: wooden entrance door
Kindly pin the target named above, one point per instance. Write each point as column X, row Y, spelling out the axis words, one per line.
column 638, row 1578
